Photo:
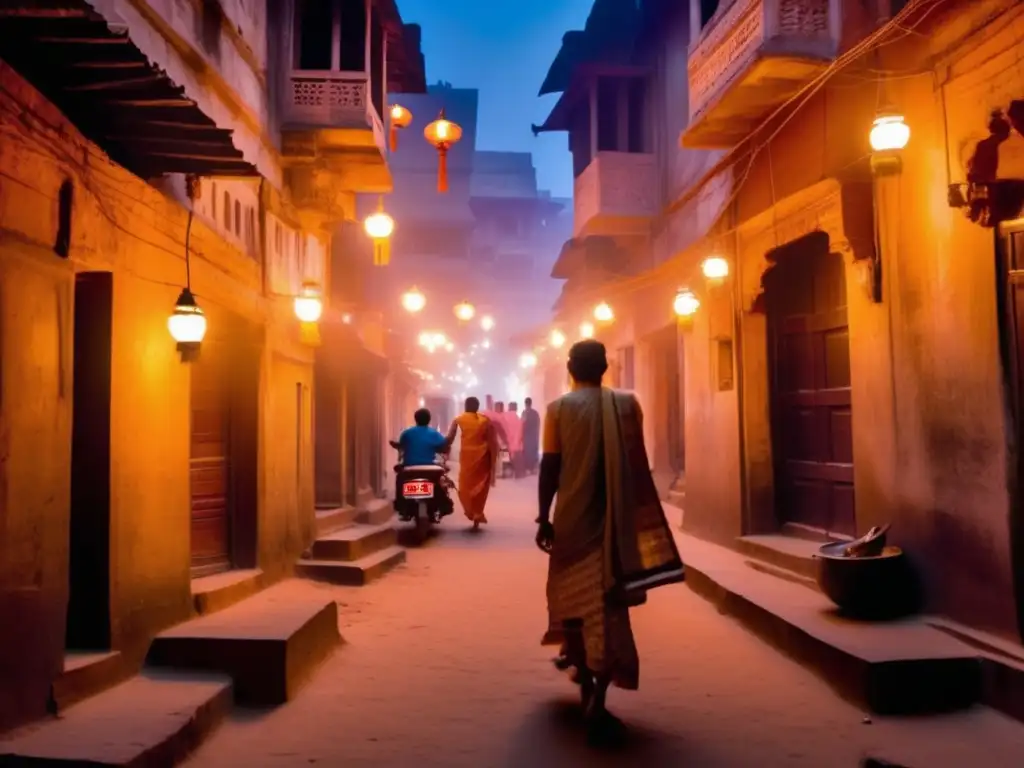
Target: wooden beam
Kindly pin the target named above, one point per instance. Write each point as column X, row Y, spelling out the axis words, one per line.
column 220, row 158
column 155, row 103
column 44, row 13
column 109, row 65
column 175, row 145
column 109, row 85
column 82, row 40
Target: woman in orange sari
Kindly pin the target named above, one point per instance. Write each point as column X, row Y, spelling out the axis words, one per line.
column 477, row 455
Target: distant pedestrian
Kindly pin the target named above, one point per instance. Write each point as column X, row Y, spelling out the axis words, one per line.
column 514, row 434
column 609, row 542
column 476, row 460
column 531, row 437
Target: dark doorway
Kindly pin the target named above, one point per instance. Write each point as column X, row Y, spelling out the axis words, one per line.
column 88, row 619
column 210, row 470
column 1010, row 272
column 809, row 369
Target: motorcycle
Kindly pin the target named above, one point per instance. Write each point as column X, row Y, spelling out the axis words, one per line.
column 424, row 494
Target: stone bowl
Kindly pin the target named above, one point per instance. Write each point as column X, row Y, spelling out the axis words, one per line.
column 880, row 587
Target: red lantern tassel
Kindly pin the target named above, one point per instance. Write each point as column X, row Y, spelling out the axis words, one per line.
column 393, row 137
column 442, row 169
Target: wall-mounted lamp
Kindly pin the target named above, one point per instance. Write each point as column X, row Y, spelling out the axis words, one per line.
column 380, row 226
column 309, row 304
column 187, row 325
column 685, row 305
column 400, row 118
column 556, row 339
column 889, row 137
column 715, row 270
column 603, row 313
column 586, row 330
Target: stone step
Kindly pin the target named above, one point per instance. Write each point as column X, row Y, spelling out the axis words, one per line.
column 328, row 520
column 355, row 542
column 356, row 573
column 269, row 644
column 222, row 590
column 151, row 720
column 87, row 674
column 788, row 552
column 893, row 668
column 376, row 512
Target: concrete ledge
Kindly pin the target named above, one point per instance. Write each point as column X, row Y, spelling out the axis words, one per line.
column 86, row 675
column 355, row 542
column 328, row 520
column 787, row 552
column 222, row 590
column 375, row 512
column 356, row 573
column 151, row 721
column 269, row 644
column 891, row 668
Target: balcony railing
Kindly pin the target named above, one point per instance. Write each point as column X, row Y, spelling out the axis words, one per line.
column 750, row 58
column 615, row 194
column 318, row 99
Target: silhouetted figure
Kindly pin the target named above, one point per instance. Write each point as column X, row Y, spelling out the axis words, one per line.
column 531, row 437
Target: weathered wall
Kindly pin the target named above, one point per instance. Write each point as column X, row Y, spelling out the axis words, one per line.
column 928, row 406
column 120, row 225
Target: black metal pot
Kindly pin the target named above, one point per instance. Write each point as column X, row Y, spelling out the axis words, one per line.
column 881, row 587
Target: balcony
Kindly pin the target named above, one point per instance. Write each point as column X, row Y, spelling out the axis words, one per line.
column 615, row 195
column 749, row 59
column 330, row 123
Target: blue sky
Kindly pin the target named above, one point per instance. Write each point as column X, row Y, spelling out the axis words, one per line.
column 504, row 48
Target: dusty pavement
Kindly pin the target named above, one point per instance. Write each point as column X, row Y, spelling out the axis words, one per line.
column 443, row 667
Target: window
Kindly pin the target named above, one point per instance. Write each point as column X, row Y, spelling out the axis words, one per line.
column 637, row 106
column 316, row 32
column 65, row 199
column 607, row 114
column 723, row 364
column 352, row 41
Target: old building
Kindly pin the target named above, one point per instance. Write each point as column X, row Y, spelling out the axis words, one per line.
column 146, row 148
column 853, row 361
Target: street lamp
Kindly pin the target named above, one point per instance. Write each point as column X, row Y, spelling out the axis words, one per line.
column 603, row 313
column 465, row 311
column 557, row 339
column 586, row 330
column 413, row 300
column 889, row 136
column 380, row 226
column 187, row 325
column 527, row 360
column 487, row 322
column 715, row 269
column 308, row 304
column 685, row 306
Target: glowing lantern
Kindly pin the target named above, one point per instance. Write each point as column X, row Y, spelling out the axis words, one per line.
column 528, row 360
column 379, row 226
column 308, row 304
column 487, row 322
column 187, row 325
column 889, row 133
column 603, row 313
column 449, row 347
column 685, row 306
column 465, row 311
column 715, row 269
column 400, row 117
column 413, row 301
column 442, row 133
column 586, row 330
column 557, row 339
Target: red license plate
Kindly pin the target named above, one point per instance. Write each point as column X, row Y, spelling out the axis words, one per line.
column 417, row 490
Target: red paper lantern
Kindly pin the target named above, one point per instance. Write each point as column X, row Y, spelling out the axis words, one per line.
column 442, row 133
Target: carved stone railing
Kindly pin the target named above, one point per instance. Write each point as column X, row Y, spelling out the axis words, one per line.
column 319, row 99
column 616, row 185
column 744, row 31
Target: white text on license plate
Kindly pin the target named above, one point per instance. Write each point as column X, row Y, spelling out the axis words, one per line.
column 417, row 490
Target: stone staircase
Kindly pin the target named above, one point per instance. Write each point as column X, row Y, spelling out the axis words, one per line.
column 353, row 547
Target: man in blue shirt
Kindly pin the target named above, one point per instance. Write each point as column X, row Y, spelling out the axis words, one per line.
column 420, row 445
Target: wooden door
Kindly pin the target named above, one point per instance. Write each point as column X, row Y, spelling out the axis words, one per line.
column 809, row 356
column 210, row 465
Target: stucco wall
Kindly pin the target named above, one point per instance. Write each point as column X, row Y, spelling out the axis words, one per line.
column 126, row 227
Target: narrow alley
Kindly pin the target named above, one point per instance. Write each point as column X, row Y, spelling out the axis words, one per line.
column 442, row 666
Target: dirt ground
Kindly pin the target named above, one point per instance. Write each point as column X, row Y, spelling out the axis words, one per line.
column 442, row 667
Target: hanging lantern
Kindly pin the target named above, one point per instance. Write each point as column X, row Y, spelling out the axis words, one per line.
column 487, row 322
column 379, row 226
column 309, row 305
column 413, row 300
column 685, row 306
column 465, row 311
column 586, row 330
column 400, row 117
column 187, row 325
column 528, row 360
column 442, row 133
column 557, row 339
column 715, row 269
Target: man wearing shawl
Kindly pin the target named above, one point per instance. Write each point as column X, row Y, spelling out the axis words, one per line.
column 609, row 542
column 476, row 460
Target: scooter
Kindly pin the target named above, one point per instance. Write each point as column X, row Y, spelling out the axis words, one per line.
column 425, row 494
